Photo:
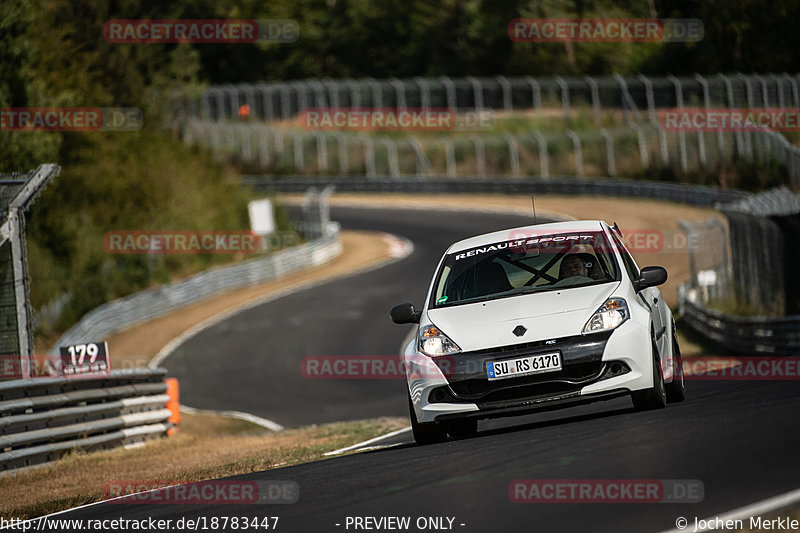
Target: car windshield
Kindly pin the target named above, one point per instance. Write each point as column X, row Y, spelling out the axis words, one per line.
column 525, row 265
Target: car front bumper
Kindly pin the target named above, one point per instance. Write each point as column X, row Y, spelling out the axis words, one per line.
column 595, row 367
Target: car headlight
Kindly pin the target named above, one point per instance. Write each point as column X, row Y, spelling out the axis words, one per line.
column 610, row 315
column 434, row 343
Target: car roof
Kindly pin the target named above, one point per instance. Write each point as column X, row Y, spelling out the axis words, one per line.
column 527, row 231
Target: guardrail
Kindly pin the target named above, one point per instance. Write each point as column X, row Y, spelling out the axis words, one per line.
column 152, row 303
column 743, row 335
column 42, row 419
column 687, row 194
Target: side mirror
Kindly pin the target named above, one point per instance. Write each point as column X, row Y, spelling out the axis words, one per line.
column 405, row 314
column 650, row 277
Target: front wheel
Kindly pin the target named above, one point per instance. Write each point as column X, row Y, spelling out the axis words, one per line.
column 427, row 432
column 654, row 397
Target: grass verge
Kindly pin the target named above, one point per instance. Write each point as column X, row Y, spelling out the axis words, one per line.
column 206, row 447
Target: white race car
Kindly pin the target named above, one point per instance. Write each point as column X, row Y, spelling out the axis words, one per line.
column 537, row 318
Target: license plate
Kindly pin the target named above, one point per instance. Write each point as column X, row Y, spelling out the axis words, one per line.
column 523, row 366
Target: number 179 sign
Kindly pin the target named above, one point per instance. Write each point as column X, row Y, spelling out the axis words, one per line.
column 90, row 358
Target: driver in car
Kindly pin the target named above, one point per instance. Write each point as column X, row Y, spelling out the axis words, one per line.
column 573, row 265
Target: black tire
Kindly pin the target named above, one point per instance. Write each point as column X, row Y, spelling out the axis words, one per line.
column 676, row 389
column 654, row 397
column 425, row 433
column 462, row 429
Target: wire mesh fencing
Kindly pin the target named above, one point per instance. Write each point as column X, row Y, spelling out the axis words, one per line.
column 17, row 193
column 755, row 274
column 620, row 125
column 639, row 96
column 624, row 151
column 709, row 260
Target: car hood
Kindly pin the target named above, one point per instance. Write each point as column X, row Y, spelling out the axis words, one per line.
column 545, row 315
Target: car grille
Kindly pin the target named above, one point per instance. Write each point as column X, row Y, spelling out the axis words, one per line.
column 582, row 363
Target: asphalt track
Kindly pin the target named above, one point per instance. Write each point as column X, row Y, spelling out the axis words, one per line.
column 252, row 361
column 740, row 439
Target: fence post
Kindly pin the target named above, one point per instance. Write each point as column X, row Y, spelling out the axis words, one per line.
column 536, row 92
column 662, row 140
column 205, row 102
column 246, row 143
column 278, row 141
column 322, row 152
column 369, row 154
column 688, row 229
column 565, row 103
column 731, row 104
column 355, row 93
column 400, row 93
column 795, row 92
column 391, row 152
column 424, row 167
column 249, row 97
column 424, row 93
column 233, row 98
column 286, row 100
column 628, row 104
column 701, row 145
column 543, row 156
column 681, row 134
column 332, row 88
column 764, row 90
column 302, row 89
column 263, row 146
column 508, row 104
column 576, row 142
column 450, row 89
column 648, row 88
column 513, row 153
column 480, row 158
column 477, row 91
column 642, row 147
column 377, row 92
column 595, row 98
column 748, row 88
column 779, row 86
column 342, row 153
column 449, row 156
column 266, row 101
column 612, row 167
column 297, row 144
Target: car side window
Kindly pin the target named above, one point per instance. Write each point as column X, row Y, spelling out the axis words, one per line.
column 627, row 260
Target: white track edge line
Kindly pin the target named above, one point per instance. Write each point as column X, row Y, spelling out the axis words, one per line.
column 239, row 415
column 368, row 442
